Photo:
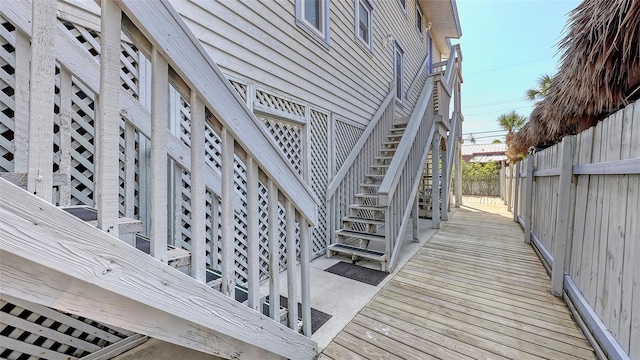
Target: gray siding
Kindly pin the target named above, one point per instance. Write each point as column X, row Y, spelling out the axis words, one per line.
column 259, row 42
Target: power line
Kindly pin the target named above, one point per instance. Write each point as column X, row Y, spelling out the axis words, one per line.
column 508, row 66
column 494, row 103
column 495, row 111
column 484, row 132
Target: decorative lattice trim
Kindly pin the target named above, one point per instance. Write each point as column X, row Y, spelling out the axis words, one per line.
column 319, row 175
column 280, row 104
column 288, row 137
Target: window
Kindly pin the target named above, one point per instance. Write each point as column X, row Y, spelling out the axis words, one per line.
column 398, row 71
column 364, row 22
column 313, row 17
column 419, row 20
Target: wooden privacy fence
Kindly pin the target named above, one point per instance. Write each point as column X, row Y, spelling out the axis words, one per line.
column 578, row 204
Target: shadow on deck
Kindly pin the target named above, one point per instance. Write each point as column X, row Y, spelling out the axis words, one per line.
column 474, row 290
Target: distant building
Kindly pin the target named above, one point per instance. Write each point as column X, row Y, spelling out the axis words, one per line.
column 484, row 153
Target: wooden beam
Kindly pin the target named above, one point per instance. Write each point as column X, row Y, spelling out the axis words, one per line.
column 563, row 222
column 435, row 184
column 617, row 167
column 81, row 270
column 66, row 112
column 305, row 274
column 253, row 240
column 528, row 202
column 107, row 182
column 459, row 176
column 41, row 99
column 292, row 281
column 517, row 193
column 21, row 103
column 198, row 190
column 274, row 252
column 159, row 166
column 445, row 184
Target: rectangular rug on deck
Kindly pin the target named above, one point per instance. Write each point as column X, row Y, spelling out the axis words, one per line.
column 358, row 273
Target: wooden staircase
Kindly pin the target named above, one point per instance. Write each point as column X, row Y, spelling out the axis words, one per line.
column 360, row 235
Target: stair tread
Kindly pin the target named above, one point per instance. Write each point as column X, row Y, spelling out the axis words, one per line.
column 359, row 234
column 354, row 250
column 362, row 219
column 367, row 207
column 366, row 195
column 369, row 185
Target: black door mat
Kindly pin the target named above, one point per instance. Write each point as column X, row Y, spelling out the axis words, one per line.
column 358, row 273
column 318, row 318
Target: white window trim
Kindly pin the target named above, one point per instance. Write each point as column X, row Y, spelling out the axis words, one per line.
column 397, row 48
column 320, row 35
column 421, row 28
column 368, row 44
column 404, row 7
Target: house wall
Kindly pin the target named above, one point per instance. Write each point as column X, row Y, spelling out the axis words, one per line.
column 259, row 42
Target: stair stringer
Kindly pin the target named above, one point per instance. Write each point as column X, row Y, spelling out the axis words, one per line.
column 51, row 258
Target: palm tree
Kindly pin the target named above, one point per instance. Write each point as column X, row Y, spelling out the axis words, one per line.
column 511, row 121
column 537, row 94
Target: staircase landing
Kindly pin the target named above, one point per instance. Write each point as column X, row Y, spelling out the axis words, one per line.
column 475, row 290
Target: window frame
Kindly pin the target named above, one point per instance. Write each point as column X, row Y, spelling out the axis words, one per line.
column 321, row 35
column 398, row 51
column 404, row 5
column 420, row 24
column 368, row 43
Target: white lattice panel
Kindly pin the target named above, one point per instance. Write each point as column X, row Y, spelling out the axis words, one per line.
column 319, row 175
column 279, row 103
column 82, row 145
column 347, row 136
column 288, row 137
column 51, row 331
column 240, row 88
column 7, row 86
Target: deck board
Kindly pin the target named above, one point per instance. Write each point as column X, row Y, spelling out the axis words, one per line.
column 475, row 290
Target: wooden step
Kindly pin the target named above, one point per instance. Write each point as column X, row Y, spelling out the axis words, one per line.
column 369, row 185
column 348, row 233
column 352, row 219
column 390, row 143
column 367, row 207
column 375, row 176
column 356, row 251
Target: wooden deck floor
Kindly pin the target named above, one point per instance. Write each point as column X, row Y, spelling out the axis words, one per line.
column 475, row 290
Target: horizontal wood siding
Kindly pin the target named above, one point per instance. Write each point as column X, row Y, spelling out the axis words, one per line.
column 261, row 43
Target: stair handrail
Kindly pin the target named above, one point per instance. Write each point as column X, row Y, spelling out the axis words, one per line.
column 419, row 79
column 199, row 71
column 360, row 144
column 406, row 169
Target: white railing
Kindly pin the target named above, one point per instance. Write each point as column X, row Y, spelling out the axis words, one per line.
column 177, row 59
column 346, row 184
column 400, row 184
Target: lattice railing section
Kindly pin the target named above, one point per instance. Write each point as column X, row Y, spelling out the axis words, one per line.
column 279, row 103
column 43, row 332
column 240, row 88
column 347, row 136
column 288, row 136
column 320, row 175
column 7, row 88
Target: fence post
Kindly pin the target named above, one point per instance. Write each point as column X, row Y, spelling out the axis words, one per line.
column 562, row 217
column 516, row 197
column 435, row 184
column 528, row 202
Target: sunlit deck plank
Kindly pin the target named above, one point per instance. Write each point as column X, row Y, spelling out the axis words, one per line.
column 475, row 290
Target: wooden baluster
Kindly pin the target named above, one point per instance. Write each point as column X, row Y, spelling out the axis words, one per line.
column 292, row 281
column 129, row 170
column 41, row 100
column 21, row 104
column 516, row 197
column 274, row 253
column 305, row 273
column 108, row 120
column 458, row 175
column 253, row 241
column 228, row 227
column 158, row 158
column 445, row 183
column 65, row 136
column 198, row 190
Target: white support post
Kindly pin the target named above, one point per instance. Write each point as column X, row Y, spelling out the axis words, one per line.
column 435, row 183
column 41, row 100
column 228, row 227
column 563, row 222
column 21, row 104
column 274, row 253
column 108, row 149
column 445, row 185
column 158, row 158
column 528, row 202
column 65, row 136
column 415, row 216
column 516, row 197
column 459, row 176
column 253, row 241
column 175, row 222
column 305, row 274
column 198, row 190
column 292, row 281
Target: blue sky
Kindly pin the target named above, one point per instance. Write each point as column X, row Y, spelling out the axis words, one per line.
column 506, row 45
